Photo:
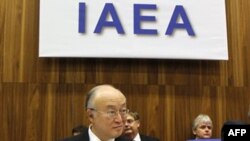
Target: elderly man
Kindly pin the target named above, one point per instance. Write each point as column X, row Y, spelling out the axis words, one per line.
column 106, row 109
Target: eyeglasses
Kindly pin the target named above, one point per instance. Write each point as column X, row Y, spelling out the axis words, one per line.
column 113, row 113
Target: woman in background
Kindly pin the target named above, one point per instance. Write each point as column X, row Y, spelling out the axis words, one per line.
column 202, row 127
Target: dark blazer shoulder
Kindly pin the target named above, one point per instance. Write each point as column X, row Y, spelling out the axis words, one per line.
column 148, row 138
column 121, row 138
column 85, row 137
column 81, row 137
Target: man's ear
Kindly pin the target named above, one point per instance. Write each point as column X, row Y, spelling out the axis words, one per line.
column 138, row 123
column 90, row 115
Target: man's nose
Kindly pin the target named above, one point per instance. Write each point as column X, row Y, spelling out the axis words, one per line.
column 118, row 117
column 126, row 124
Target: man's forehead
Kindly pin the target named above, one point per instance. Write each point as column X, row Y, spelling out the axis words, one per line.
column 107, row 99
column 130, row 117
column 109, row 96
column 111, row 102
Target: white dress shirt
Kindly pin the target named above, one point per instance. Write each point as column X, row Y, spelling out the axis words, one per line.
column 137, row 137
column 93, row 137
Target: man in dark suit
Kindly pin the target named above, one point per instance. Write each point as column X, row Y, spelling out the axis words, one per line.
column 78, row 130
column 131, row 131
column 84, row 136
column 106, row 110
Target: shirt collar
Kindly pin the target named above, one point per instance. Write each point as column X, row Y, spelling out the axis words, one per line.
column 137, row 137
column 93, row 137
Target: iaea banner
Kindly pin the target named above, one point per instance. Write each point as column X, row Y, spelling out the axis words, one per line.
column 159, row 29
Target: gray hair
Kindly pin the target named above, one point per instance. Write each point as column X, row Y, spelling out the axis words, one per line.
column 92, row 94
column 200, row 119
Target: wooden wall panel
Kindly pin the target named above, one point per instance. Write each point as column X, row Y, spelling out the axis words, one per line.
column 21, row 41
column 238, row 30
column 2, row 24
column 41, row 99
column 12, row 40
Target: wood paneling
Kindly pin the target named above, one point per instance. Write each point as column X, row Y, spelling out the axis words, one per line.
column 2, row 24
column 41, row 99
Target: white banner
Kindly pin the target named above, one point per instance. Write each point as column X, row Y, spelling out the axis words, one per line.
column 173, row 29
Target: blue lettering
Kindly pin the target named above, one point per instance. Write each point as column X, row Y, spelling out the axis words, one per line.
column 138, row 18
column 109, row 8
column 179, row 10
column 82, row 15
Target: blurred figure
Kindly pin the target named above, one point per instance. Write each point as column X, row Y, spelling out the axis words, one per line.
column 131, row 131
column 202, row 127
column 78, row 130
column 106, row 110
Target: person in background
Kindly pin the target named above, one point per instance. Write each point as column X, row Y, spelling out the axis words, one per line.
column 202, row 127
column 106, row 110
column 131, row 130
column 78, row 130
